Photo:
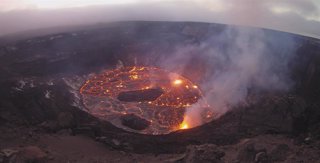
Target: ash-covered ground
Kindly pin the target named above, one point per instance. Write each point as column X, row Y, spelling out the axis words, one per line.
column 42, row 118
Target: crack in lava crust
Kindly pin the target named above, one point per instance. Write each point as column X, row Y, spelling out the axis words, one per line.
column 145, row 100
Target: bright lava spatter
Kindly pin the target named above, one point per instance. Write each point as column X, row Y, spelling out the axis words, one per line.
column 165, row 113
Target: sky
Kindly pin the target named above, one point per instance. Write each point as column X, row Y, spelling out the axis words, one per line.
column 295, row 16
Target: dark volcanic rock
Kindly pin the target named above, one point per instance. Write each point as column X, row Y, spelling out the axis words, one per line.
column 1, row 157
column 50, row 126
column 115, row 143
column 65, row 120
column 32, row 154
column 276, row 114
column 134, row 122
column 280, row 153
column 203, row 153
column 140, row 95
column 261, row 157
column 247, row 154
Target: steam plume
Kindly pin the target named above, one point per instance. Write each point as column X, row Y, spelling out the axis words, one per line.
column 236, row 61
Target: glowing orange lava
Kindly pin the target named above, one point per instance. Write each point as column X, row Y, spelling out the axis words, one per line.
column 183, row 125
column 165, row 113
column 177, row 82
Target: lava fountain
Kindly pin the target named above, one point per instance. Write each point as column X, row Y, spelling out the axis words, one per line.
column 146, row 100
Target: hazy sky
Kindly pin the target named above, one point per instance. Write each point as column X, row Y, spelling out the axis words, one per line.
column 297, row 16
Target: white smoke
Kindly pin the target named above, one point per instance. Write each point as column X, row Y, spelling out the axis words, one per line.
column 237, row 60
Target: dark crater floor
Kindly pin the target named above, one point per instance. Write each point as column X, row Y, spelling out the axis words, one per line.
column 40, row 79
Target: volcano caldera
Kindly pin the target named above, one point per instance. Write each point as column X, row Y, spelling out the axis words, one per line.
column 146, row 100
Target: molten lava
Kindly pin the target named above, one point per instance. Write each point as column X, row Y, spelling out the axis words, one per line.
column 178, row 82
column 149, row 93
column 184, row 125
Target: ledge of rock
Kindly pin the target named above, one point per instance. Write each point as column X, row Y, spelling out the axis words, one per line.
column 134, row 122
column 140, row 95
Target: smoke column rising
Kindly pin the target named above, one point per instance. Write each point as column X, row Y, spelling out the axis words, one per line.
column 237, row 60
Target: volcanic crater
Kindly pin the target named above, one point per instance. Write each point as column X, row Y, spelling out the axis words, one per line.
column 71, row 83
column 148, row 100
